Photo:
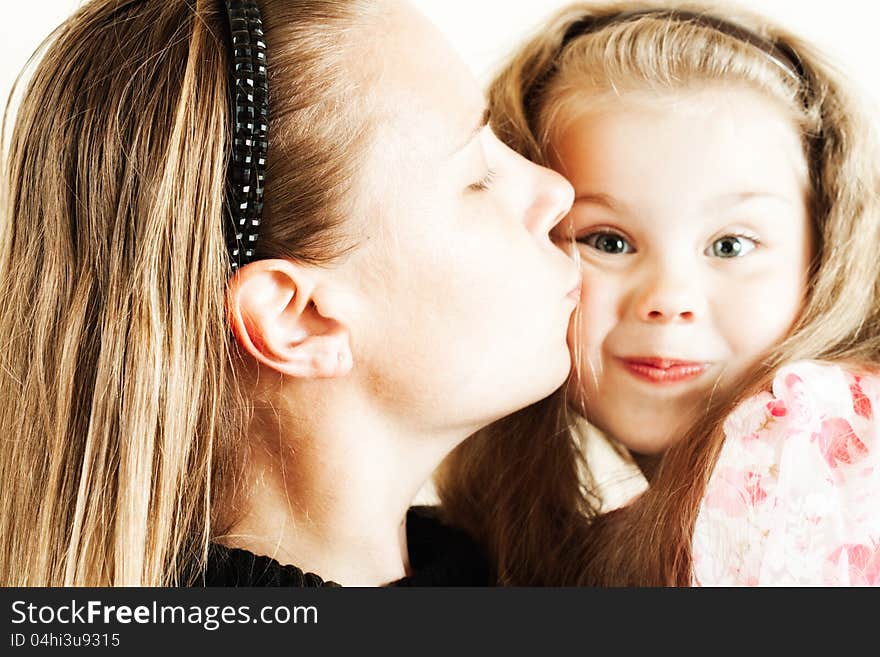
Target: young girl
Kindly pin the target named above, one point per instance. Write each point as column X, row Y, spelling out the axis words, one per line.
column 245, row 389
column 727, row 218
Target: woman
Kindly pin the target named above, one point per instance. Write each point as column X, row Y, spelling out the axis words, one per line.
column 403, row 293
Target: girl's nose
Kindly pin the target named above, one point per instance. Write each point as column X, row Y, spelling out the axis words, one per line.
column 668, row 296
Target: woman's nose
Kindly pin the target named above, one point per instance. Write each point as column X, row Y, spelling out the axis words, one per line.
column 668, row 296
column 553, row 196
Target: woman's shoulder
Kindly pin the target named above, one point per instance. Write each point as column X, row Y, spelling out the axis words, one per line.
column 233, row 567
column 440, row 555
column 795, row 494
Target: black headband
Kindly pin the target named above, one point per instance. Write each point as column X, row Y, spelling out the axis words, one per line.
column 780, row 54
column 250, row 123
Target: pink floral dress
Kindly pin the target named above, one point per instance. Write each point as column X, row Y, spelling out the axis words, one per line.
column 794, row 499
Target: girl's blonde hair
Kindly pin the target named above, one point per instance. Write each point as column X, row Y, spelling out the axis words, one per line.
column 124, row 419
column 648, row 542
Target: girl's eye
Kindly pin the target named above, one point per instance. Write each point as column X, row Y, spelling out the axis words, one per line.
column 607, row 242
column 485, row 183
column 731, row 246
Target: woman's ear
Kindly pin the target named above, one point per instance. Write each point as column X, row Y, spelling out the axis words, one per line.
column 277, row 318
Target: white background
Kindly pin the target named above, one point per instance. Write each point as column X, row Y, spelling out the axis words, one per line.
column 483, row 31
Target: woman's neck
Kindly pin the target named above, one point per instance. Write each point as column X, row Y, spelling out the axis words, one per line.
column 331, row 496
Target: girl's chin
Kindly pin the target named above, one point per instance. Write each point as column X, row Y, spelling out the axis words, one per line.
column 648, row 446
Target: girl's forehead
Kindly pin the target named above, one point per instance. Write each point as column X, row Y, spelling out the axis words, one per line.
column 695, row 100
column 717, row 139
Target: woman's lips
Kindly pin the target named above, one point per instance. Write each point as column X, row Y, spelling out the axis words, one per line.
column 663, row 370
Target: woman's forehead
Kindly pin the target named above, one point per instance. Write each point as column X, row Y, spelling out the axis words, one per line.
column 425, row 93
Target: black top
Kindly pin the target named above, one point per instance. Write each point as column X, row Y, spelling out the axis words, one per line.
column 439, row 556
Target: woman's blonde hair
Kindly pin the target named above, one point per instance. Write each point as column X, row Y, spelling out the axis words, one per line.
column 125, row 416
column 648, row 542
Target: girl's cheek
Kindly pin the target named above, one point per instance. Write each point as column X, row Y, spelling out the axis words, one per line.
column 600, row 308
column 754, row 316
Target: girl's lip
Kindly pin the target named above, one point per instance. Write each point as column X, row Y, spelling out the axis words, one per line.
column 663, row 370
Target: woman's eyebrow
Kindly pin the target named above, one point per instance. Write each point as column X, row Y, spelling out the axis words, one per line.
column 482, row 123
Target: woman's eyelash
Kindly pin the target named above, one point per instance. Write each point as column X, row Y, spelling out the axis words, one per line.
column 484, row 183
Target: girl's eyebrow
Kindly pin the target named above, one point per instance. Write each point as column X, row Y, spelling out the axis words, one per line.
column 600, row 199
column 735, row 198
column 725, row 200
